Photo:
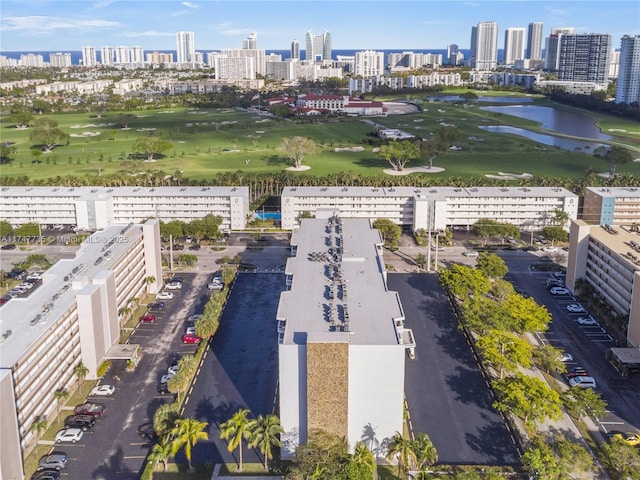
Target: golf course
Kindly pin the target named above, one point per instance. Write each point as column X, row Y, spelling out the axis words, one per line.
column 206, row 144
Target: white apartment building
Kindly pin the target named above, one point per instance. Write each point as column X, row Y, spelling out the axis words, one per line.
column 94, row 86
column 185, row 47
column 628, row 86
column 228, row 67
column 122, row 55
column 609, row 260
column 573, row 87
column 94, row 208
column 318, row 47
column 107, row 55
column 31, row 60
column 513, row 45
column 89, row 58
column 128, row 85
column 369, row 63
column 208, row 86
column 530, row 208
column 611, row 205
column 136, row 55
column 282, row 71
column 432, row 79
column 341, row 335
column 258, row 58
column 484, row 46
column 411, row 60
column 534, row 41
column 60, row 60
column 71, row 317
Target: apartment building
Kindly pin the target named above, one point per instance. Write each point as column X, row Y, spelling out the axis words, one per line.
column 484, row 46
column 530, row 208
column 611, row 205
column 341, row 335
column 72, row 317
column 369, row 63
column 94, row 208
column 608, row 259
column 93, row 86
column 584, row 58
column 628, row 87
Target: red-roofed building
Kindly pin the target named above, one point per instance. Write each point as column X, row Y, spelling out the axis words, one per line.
column 337, row 103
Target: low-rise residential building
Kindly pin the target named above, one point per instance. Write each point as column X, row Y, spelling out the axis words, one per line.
column 530, row 208
column 611, row 205
column 94, row 86
column 74, row 316
column 341, row 336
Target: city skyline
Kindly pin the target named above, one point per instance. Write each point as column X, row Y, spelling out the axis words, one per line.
column 70, row 25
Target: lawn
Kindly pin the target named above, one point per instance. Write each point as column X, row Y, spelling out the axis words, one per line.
column 206, row 142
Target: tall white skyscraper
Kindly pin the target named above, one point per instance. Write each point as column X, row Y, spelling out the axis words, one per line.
column 534, row 41
column 584, row 58
column 628, row 87
column 89, row 58
column 295, row 50
column 250, row 43
column 107, row 55
column 552, row 49
column 318, row 46
column 484, row 46
column 369, row 63
column 185, row 47
column 122, row 55
column 60, row 60
column 136, row 55
column 513, row 45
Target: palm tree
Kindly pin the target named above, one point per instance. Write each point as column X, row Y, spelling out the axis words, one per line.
column 400, row 447
column 39, row 425
column 426, row 454
column 363, row 456
column 235, row 430
column 161, row 452
column 264, row 435
column 60, row 395
column 186, row 433
column 80, row 372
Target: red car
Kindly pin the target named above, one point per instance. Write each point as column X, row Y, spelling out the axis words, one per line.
column 148, row 318
column 95, row 409
column 191, row 338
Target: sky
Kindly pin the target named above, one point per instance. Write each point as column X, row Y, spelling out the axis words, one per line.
column 54, row 25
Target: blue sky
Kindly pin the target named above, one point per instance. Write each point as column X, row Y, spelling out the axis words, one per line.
column 42, row 25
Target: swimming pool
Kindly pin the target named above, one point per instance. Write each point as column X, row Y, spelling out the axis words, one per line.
column 268, row 215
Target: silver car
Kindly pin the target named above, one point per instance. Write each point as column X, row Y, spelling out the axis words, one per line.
column 55, row 460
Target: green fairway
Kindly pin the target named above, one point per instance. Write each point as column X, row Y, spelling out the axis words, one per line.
column 207, row 142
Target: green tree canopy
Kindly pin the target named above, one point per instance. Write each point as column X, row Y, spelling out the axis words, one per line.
column 504, row 351
column 236, row 430
column 525, row 315
column 622, row 458
column 151, row 146
column 265, row 434
column 173, row 228
column 323, row 457
column 297, row 148
column 47, row 134
column 21, row 118
column 27, row 230
column 186, row 433
column 583, row 401
column 548, row 358
column 398, row 154
column 488, row 228
column 124, row 119
column 555, row 234
column 6, row 228
column 614, row 156
column 7, row 153
column 481, row 314
column 491, row 265
column 463, row 281
column 390, row 231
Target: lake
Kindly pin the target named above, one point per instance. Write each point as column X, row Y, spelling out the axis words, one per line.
column 564, row 143
column 458, row 98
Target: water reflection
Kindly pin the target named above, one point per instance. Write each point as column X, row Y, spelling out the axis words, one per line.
column 458, row 98
column 564, row 143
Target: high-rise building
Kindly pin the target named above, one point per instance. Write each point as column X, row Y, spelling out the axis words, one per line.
column 185, row 47
column 259, row 65
column 60, row 60
column 32, row 60
column 628, row 87
column 552, row 49
column 484, row 46
column 251, row 42
column 89, row 58
column 318, row 46
column 157, row 58
column 107, row 55
column 136, row 55
column 534, row 41
column 584, row 58
column 513, row 45
column 454, row 56
column 369, row 63
column 122, row 55
column 295, row 50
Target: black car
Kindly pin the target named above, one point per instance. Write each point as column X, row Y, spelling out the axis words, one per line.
column 9, row 246
column 156, row 306
column 46, row 475
column 195, row 246
column 147, row 431
column 176, row 279
column 163, row 388
column 84, row 422
column 17, row 274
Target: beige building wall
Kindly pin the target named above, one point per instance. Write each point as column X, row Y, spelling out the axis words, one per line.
column 578, row 250
column 633, row 335
column 152, row 253
column 10, row 469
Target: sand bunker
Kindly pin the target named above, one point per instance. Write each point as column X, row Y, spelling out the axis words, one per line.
column 85, row 134
column 509, row 176
column 301, row 168
column 409, row 171
column 145, row 129
column 348, row 149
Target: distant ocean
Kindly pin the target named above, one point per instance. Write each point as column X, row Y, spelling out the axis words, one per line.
column 76, row 55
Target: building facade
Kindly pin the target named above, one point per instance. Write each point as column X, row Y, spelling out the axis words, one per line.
column 60, row 60
column 72, row 317
column 534, row 41
column 185, row 47
column 484, row 46
column 628, row 86
column 341, row 336
column 318, row 47
column 513, row 45
column 107, row 55
column 295, row 50
column 89, row 58
column 611, row 205
column 369, row 63
column 552, row 48
column 584, row 58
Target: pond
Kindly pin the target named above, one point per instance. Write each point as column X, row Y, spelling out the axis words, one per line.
column 458, row 98
column 564, row 143
column 563, row 121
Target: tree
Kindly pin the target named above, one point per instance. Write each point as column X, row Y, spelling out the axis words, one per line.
column 548, row 358
column 161, row 452
column 235, row 430
column 488, row 228
column 323, row 457
column 401, row 449
column 555, row 234
column 560, row 217
column 491, row 265
column 398, row 154
column 526, row 397
column 430, row 148
column 60, row 395
column 583, row 401
column 80, row 371
column 481, row 314
column 424, row 450
column 21, row 118
column 614, row 156
column 27, row 230
column 7, row 153
column 265, row 433
column 38, row 426
column 5, row 228
column 390, row 231
column 571, row 456
column 540, row 461
column 173, row 228
column 446, row 136
column 463, row 281
column 165, row 417
column 297, row 148
column 45, row 132
column 504, row 351
column 622, row 458
column 180, row 382
column 525, row 315
column 186, row 433
column 364, row 457
column 151, row 146
column 124, row 119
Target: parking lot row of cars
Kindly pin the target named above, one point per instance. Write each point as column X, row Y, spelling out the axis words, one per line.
column 29, row 281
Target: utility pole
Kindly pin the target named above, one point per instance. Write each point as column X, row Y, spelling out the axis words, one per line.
column 429, row 239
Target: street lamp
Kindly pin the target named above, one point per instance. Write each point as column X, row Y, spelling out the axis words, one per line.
column 502, row 345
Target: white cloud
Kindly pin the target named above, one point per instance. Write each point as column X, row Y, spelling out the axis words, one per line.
column 235, row 31
column 190, row 5
column 148, row 33
column 103, row 3
column 36, row 23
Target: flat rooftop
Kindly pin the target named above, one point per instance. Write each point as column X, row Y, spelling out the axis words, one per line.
column 31, row 317
column 619, row 242
column 338, row 291
column 615, row 192
column 87, row 192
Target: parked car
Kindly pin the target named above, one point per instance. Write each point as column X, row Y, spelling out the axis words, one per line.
column 148, row 318
column 188, row 338
column 156, row 306
column 164, row 296
column 173, row 369
column 17, row 274
column 83, row 422
column 90, row 408
column 566, row 357
column 575, row 308
column 166, row 377
column 587, row 321
column 215, row 286
column 549, row 249
column 195, row 246
column 471, row 253
column 554, row 283
column 162, row 388
column 9, row 246
column 577, row 372
column 69, row 435
column 48, row 474
column 103, row 390
column 53, row 461
column 582, row 382
column 191, row 321
column 559, row 291
column 629, row 437
column 146, row 430
column 190, row 331
column 34, row 276
column 173, row 286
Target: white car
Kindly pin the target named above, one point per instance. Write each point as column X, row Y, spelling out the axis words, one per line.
column 582, row 382
column 164, row 296
column 190, row 331
column 215, row 286
column 559, row 291
column 550, row 249
column 576, row 308
column 192, row 319
column 167, row 377
column 174, row 286
column 172, row 370
column 102, row 390
column 470, row 253
column 566, row 357
column 587, row 321
column 69, row 435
